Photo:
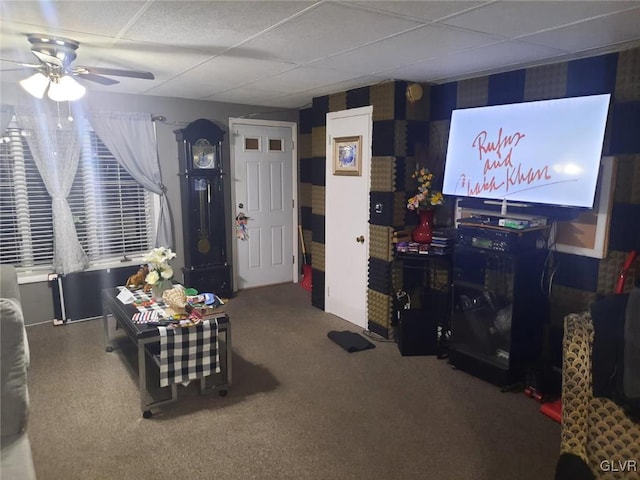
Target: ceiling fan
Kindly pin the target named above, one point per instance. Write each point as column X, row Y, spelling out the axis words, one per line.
column 55, row 72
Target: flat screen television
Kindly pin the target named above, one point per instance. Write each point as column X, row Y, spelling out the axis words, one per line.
column 542, row 152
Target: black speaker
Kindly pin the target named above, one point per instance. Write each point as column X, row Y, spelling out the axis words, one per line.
column 417, row 333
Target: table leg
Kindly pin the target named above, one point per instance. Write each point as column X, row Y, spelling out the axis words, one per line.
column 105, row 322
column 142, row 379
column 229, row 352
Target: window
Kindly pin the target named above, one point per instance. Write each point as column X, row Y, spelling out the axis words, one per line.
column 251, row 143
column 113, row 214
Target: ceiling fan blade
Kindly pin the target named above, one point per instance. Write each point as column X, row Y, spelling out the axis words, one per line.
column 46, row 58
column 98, row 79
column 19, row 69
column 24, row 65
column 113, row 71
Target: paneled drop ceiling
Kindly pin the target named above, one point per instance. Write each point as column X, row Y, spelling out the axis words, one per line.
column 284, row 53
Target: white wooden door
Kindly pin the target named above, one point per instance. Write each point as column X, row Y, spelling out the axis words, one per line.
column 347, row 220
column 263, row 159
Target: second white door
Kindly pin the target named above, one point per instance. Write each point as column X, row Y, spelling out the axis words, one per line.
column 263, row 172
column 347, row 220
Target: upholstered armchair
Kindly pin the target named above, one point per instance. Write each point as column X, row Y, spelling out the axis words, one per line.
column 595, row 430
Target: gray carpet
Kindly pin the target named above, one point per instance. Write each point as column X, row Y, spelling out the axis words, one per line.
column 300, row 407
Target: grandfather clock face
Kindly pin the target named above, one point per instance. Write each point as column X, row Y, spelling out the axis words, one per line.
column 204, row 155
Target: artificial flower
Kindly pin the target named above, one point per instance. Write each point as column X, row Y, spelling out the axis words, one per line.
column 158, row 261
column 426, row 197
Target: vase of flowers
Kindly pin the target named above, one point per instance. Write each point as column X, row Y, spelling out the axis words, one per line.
column 424, row 202
column 160, row 274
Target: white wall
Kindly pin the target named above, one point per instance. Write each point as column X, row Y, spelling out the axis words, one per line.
column 179, row 112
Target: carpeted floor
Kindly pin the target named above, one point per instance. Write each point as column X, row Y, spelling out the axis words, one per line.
column 300, row 407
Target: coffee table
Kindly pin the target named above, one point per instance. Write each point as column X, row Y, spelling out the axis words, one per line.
column 146, row 338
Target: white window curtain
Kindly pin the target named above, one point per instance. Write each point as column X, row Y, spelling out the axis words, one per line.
column 6, row 114
column 131, row 139
column 56, row 152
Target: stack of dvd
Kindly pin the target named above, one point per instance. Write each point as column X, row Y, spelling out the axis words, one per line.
column 442, row 242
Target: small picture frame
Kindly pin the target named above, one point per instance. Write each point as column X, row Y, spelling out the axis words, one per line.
column 347, row 156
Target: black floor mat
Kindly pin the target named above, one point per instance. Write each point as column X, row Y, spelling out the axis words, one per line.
column 350, row 341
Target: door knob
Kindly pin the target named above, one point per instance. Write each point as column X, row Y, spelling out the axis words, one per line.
column 360, row 239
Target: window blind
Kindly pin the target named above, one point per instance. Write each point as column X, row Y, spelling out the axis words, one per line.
column 26, row 237
column 112, row 213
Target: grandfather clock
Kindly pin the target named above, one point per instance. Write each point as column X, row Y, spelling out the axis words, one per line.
column 203, row 210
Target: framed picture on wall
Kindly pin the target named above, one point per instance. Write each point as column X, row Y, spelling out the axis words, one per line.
column 347, row 156
column 588, row 234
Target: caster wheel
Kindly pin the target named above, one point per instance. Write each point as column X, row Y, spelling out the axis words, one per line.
column 147, row 414
column 223, row 393
column 109, row 349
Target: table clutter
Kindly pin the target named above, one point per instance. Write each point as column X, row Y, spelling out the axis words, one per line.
column 176, row 309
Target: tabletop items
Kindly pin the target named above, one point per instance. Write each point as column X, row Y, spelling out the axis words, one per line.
column 176, row 309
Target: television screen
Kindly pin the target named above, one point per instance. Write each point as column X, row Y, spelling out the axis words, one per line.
column 534, row 152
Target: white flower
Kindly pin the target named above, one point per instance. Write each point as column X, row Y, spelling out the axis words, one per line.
column 159, row 268
column 159, row 255
column 167, row 272
column 152, row 277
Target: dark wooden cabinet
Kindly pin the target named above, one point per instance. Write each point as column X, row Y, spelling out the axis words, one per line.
column 499, row 314
column 202, row 192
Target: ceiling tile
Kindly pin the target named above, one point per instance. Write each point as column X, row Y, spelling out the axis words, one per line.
column 249, row 95
column 407, row 48
column 125, row 85
column 513, row 19
column 346, row 85
column 326, row 30
column 220, row 74
column 502, row 56
column 427, row 11
column 67, row 18
column 162, row 66
column 296, row 102
column 209, row 25
column 303, row 78
column 601, row 32
column 284, row 53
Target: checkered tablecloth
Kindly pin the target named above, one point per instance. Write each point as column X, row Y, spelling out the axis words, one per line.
column 188, row 353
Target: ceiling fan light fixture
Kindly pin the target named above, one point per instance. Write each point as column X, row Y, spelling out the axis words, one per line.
column 66, row 89
column 35, row 85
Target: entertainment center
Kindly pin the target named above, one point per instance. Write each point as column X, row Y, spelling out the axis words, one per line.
column 499, row 307
column 516, row 170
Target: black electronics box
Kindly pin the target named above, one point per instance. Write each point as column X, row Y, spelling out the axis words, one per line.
column 417, row 333
column 497, row 240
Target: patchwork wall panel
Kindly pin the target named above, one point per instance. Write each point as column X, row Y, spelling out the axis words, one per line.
column 627, row 188
column 383, row 174
column 506, row 88
column 405, row 133
column 338, row 102
column 592, row 76
column 627, row 75
column 473, row 92
column 545, row 82
column 358, row 97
